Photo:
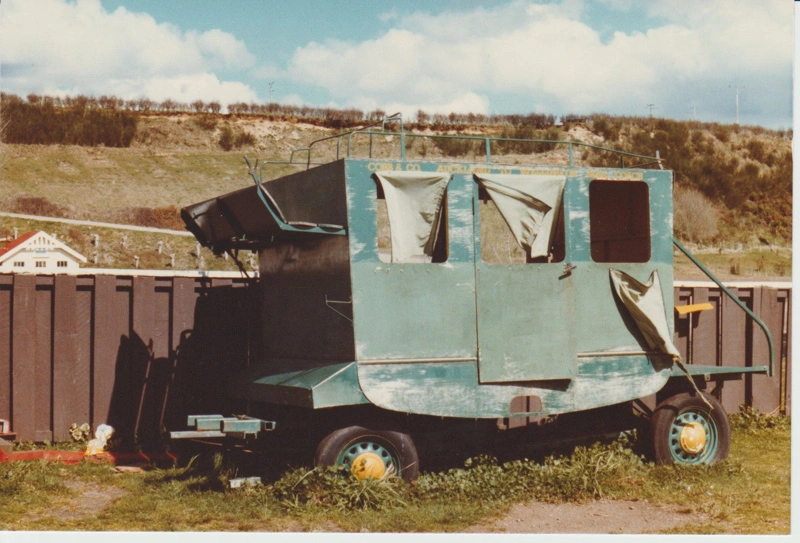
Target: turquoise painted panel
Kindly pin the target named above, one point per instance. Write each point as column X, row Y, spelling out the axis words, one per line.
column 540, row 332
column 414, row 311
column 450, row 389
column 525, row 322
column 403, row 311
column 601, row 322
column 318, row 387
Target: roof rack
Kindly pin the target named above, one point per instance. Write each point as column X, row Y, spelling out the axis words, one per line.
column 345, row 148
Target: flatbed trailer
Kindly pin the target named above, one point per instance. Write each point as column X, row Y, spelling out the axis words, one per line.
column 402, row 295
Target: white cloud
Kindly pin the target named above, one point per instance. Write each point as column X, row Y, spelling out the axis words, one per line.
column 550, row 54
column 60, row 47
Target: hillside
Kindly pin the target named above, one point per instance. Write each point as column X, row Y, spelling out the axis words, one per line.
column 733, row 185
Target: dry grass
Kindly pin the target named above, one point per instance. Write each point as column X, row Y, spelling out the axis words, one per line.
column 747, row 494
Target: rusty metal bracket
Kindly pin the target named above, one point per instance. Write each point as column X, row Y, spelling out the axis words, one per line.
column 329, row 302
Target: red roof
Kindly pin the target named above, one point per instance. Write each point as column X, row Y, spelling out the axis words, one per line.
column 17, row 242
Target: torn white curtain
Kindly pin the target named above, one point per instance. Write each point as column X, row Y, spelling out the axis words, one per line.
column 414, row 204
column 645, row 303
column 529, row 204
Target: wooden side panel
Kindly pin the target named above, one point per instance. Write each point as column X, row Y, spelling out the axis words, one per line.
column 682, row 336
column 6, row 290
column 155, row 332
column 72, row 383
column 65, row 383
column 23, row 355
column 736, row 347
column 140, row 351
column 766, row 390
column 108, row 313
column 705, row 325
column 177, row 402
column 788, row 353
column 43, row 364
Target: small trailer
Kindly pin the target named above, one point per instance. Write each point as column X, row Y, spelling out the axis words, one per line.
column 400, row 298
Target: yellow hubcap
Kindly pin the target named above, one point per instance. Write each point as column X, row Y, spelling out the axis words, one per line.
column 693, row 437
column 368, row 465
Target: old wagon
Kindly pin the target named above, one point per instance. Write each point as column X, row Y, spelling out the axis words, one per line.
column 400, row 298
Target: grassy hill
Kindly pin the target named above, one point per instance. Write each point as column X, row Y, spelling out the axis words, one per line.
column 733, row 184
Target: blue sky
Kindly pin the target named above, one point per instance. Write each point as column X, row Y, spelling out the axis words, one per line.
column 510, row 56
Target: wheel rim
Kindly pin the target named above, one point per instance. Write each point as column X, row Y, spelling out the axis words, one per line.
column 693, row 437
column 368, row 458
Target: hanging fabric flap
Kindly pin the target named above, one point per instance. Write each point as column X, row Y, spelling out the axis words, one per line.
column 414, row 204
column 645, row 303
column 529, row 205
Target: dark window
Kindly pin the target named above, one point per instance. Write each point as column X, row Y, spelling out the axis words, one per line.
column 619, row 220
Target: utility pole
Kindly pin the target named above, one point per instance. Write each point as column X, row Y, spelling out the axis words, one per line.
column 271, row 83
column 651, row 107
column 737, row 99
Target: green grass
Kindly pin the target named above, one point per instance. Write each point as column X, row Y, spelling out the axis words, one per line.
column 749, row 493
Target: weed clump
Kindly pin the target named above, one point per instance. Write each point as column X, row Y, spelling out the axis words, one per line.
column 590, row 472
column 334, row 488
column 752, row 421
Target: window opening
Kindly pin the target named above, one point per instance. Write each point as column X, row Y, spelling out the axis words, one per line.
column 619, row 221
column 19, row 264
column 41, row 264
column 412, row 217
column 62, row 264
column 521, row 218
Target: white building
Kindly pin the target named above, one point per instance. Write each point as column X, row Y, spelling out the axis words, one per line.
column 39, row 252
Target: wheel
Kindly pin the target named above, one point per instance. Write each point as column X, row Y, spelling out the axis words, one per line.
column 686, row 431
column 369, row 453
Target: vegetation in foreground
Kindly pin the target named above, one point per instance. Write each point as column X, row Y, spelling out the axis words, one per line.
column 749, row 493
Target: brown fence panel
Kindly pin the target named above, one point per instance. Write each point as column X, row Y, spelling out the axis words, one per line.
column 737, row 348
column 766, row 391
column 726, row 336
column 23, row 359
column 138, row 353
column 5, row 346
column 683, row 324
column 111, row 322
column 787, row 354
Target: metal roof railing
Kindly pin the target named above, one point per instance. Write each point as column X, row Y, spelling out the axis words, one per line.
column 641, row 161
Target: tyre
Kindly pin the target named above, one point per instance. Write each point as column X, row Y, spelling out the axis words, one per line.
column 369, row 453
column 685, row 431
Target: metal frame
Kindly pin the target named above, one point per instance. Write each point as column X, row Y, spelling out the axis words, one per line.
column 488, row 140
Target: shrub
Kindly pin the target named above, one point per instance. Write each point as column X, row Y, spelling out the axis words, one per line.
column 454, row 146
column 696, row 217
column 40, row 122
column 230, row 139
column 35, row 205
column 205, row 121
column 168, row 217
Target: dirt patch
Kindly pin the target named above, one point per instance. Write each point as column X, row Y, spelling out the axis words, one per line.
column 90, row 499
column 599, row 517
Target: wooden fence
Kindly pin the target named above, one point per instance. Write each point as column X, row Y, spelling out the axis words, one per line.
column 726, row 336
column 142, row 352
